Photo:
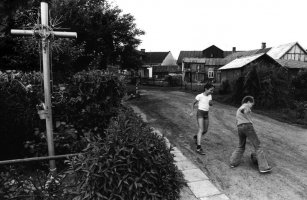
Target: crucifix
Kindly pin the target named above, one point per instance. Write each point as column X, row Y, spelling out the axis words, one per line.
column 44, row 33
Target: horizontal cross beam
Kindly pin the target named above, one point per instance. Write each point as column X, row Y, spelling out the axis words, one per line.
column 55, row 33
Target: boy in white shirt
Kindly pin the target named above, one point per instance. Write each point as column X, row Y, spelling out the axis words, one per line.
column 246, row 130
column 204, row 101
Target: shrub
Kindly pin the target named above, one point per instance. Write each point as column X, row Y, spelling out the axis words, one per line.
column 130, row 163
column 18, row 114
column 225, row 87
column 299, row 85
column 269, row 87
column 90, row 99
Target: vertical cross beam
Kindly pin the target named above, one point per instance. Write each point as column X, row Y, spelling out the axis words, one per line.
column 47, row 90
column 44, row 34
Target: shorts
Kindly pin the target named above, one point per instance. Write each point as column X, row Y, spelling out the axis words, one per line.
column 202, row 114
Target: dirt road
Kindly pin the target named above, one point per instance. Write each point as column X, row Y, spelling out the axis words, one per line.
column 286, row 147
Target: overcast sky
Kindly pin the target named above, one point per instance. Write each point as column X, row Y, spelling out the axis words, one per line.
column 176, row 25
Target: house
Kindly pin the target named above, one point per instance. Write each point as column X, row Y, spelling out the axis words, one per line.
column 293, row 66
column 290, row 55
column 240, row 66
column 152, row 60
column 200, row 66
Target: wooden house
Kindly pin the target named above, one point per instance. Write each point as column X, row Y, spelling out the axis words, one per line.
column 201, row 66
column 240, row 66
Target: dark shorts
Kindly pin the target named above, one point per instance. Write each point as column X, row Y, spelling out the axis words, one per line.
column 202, row 114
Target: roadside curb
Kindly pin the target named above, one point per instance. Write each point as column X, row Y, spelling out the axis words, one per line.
column 199, row 184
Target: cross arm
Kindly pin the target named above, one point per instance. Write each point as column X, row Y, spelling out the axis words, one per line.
column 22, row 32
column 55, row 33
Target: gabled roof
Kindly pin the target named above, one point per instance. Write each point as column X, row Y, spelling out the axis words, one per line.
column 278, row 51
column 241, row 62
column 292, row 64
column 240, row 54
column 189, row 54
column 155, row 57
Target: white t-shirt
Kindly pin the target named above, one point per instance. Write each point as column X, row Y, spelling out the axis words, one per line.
column 203, row 101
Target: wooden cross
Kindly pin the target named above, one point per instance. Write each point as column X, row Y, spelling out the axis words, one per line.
column 44, row 32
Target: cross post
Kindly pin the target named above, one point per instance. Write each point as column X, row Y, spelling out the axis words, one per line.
column 44, row 32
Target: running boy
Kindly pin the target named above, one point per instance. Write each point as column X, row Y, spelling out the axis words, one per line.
column 246, row 130
column 204, row 101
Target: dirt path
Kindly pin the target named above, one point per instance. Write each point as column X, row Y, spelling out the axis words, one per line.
column 286, row 146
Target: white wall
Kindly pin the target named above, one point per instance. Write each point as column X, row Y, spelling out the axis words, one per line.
column 169, row 60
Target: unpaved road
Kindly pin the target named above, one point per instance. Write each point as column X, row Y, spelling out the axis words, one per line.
column 286, row 147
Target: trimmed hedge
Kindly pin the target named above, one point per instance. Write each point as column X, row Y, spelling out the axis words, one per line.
column 130, row 163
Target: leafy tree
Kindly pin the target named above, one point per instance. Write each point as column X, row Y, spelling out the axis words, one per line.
column 109, row 35
column 105, row 35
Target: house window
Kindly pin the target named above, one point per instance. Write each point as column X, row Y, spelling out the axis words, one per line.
column 210, row 73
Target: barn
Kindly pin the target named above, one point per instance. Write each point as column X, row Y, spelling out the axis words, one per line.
column 240, row 66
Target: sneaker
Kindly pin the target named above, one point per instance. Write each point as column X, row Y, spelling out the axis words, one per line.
column 200, row 151
column 195, row 139
column 265, row 170
column 231, row 166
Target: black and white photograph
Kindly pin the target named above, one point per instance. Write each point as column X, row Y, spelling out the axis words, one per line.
column 153, row 100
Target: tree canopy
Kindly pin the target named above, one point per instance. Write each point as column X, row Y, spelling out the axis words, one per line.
column 106, row 36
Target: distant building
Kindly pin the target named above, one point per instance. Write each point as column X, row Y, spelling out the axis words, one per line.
column 201, row 66
column 160, row 60
column 240, row 66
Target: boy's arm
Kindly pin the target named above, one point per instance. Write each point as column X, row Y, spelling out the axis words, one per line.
column 210, row 103
column 192, row 108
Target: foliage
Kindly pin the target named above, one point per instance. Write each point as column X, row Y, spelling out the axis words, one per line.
column 83, row 107
column 89, row 100
column 299, row 85
column 15, row 184
column 269, row 86
column 225, row 87
column 105, row 35
column 131, row 162
column 17, row 116
column 110, row 36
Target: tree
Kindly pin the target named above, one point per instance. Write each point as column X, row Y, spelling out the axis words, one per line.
column 106, row 36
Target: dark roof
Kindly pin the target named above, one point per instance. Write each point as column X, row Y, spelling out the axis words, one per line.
column 155, row 57
column 239, row 54
column 189, row 54
column 265, row 50
column 292, row 64
column 207, row 61
column 168, row 68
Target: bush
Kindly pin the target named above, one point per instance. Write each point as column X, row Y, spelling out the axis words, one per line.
column 225, row 87
column 130, row 163
column 299, row 85
column 269, row 87
column 90, row 99
column 18, row 115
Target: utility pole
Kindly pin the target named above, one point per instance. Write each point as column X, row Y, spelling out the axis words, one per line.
column 44, row 33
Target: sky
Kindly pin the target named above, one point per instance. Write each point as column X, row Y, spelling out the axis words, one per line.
column 187, row 25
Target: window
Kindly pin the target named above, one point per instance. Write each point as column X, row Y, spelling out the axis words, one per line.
column 210, row 73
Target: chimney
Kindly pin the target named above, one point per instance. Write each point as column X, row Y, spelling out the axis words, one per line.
column 143, row 50
column 234, row 49
column 263, row 45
